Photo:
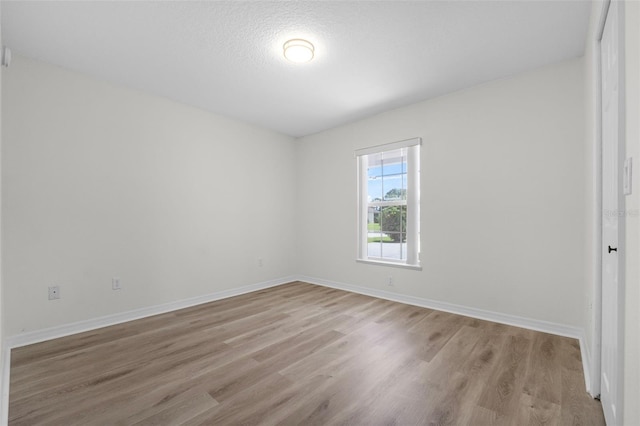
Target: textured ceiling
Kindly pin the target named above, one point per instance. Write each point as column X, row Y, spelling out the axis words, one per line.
column 226, row 57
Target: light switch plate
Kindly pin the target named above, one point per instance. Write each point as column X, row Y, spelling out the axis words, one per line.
column 627, row 176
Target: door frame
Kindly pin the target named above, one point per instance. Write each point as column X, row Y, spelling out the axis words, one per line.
column 594, row 381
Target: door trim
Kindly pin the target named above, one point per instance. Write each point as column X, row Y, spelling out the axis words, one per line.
column 593, row 386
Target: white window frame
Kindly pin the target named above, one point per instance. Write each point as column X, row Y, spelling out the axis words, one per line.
column 412, row 202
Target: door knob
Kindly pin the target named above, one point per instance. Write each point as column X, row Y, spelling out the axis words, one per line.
column 612, row 249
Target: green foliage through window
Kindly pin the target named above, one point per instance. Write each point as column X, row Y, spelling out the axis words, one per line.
column 393, row 222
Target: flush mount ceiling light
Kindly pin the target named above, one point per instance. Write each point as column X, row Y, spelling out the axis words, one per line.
column 298, row 50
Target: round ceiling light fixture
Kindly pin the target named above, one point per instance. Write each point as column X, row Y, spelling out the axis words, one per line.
column 298, row 50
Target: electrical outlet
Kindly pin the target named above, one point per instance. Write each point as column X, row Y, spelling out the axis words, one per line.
column 260, row 262
column 54, row 292
column 390, row 282
column 115, row 284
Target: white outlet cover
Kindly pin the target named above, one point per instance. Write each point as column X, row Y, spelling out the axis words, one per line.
column 115, row 284
column 54, row 292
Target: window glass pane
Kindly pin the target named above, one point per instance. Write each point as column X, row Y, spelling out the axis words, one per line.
column 374, row 177
column 374, row 250
column 374, row 189
column 393, row 188
column 393, row 250
column 373, row 219
column 393, row 221
column 393, row 170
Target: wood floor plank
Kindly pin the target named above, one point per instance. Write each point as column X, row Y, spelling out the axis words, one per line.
column 180, row 410
column 544, row 373
column 537, row 412
column 502, row 391
column 433, row 332
column 222, row 390
column 448, row 361
column 383, row 398
column 302, row 354
column 575, row 410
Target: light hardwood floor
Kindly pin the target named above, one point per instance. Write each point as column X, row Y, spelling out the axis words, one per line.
column 302, row 354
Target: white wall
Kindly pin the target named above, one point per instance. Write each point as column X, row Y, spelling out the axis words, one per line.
column 99, row 181
column 631, row 370
column 503, row 197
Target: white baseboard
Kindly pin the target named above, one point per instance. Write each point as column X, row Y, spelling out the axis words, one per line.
column 517, row 321
column 105, row 321
column 585, row 354
column 528, row 323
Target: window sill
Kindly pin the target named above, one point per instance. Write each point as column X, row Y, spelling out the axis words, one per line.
column 392, row 264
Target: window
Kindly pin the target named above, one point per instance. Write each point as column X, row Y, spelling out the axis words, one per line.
column 389, row 203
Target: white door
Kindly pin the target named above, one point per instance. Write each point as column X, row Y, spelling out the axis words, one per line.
column 612, row 221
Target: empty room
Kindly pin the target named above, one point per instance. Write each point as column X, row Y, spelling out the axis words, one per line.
column 320, row 212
